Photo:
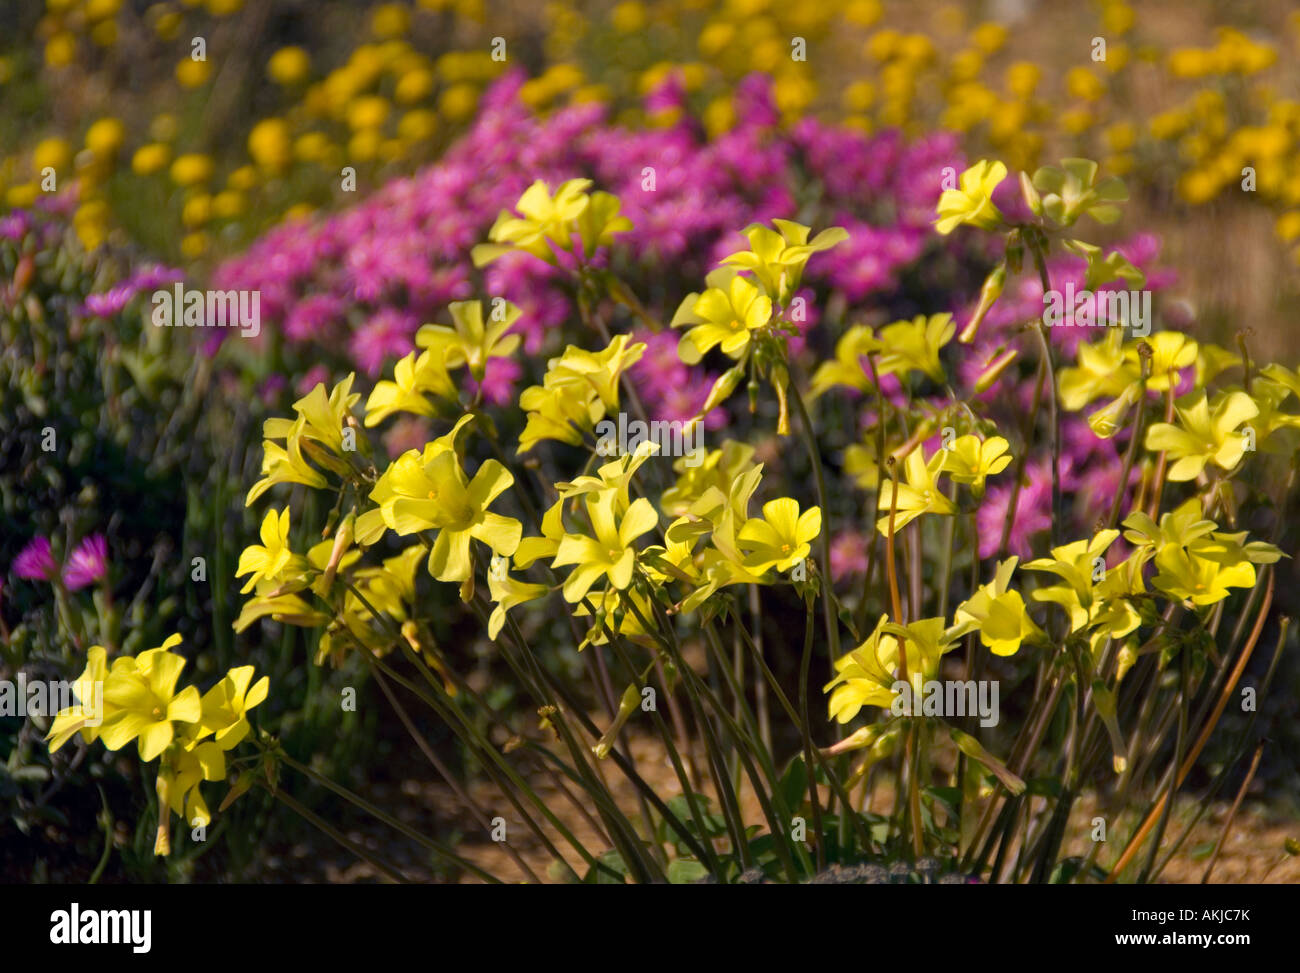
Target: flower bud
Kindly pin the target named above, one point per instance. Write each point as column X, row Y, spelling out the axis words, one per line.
column 1030, row 194
column 993, row 371
column 989, row 294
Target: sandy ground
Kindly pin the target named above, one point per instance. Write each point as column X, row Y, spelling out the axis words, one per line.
column 1252, row 853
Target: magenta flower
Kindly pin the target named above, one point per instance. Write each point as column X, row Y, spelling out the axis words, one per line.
column 87, row 564
column 35, row 562
column 848, row 555
column 1033, row 513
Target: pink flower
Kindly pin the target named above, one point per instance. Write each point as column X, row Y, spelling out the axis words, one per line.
column 498, row 381
column 390, row 333
column 35, row 562
column 1033, row 512
column 848, row 555
column 87, row 564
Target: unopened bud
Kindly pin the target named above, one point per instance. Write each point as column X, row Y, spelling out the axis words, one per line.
column 993, row 371
column 989, row 295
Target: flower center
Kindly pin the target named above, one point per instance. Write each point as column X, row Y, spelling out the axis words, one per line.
column 785, row 548
column 613, row 554
column 157, row 713
column 735, row 324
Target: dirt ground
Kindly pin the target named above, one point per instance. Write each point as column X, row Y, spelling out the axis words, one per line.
column 1252, row 853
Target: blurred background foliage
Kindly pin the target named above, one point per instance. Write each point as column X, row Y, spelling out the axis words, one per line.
column 194, row 158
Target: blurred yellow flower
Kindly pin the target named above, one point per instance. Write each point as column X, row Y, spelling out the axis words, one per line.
column 1081, row 83
column 390, row 20
column 989, row 37
column 1288, row 226
column 167, row 24
column 628, row 17
column 54, row 153
column 289, row 65
column 458, row 102
column 191, row 169
column 101, row 9
column 151, row 158
column 311, row 146
column 105, row 137
column 191, row 73
column 864, row 13
column 364, row 146
column 22, row 196
column 414, row 86
column 227, row 204
column 197, row 210
column 368, row 112
column 194, row 245
column 417, row 125
column 269, row 145
column 60, row 50
column 243, row 178
column 104, row 34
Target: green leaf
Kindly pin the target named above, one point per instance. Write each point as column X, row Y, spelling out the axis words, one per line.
column 684, row 871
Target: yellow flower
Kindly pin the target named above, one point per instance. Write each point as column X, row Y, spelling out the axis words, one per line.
column 1203, row 435
column 970, row 461
column 780, row 538
column 420, row 494
column 178, row 786
column 272, row 559
column 269, row 144
column 83, row 717
column 848, row 370
column 1104, row 369
column 191, row 73
column 368, row 112
column 458, row 101
column 725, row 317
column 414, row 85
column 914, row 345
column 60, row 50
column 285, row 464
column 54, row 153
column 1079, row 566
column 777, row 257
column 719, row 468
column 864, row 677
column 1000, row 612
column 547, row 221
column 142, row 692
column 1184, row 575
column 471, row 342
column 972, row 203
column 1072, row 191
column 610, row 553
column 507, row 593
column 412, row 378
column 920, row 494
column 390, row 20
column 105, row 137
column 225, row 706
column 288, row 66
column 191, row 169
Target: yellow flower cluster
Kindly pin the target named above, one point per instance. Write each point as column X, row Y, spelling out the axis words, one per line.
column 136, row 699
column 387, row 104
